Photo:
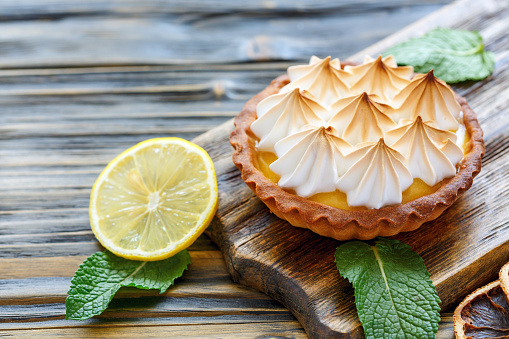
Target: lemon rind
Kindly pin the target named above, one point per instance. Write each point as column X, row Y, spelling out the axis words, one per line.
column 206, row 216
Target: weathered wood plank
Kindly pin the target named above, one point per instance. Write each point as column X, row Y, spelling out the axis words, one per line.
column 210, row 261
column 243, row 322
column 33, row 294
column 42, row 291
column 446, row 326
column 45, row 8
column 148, row 306
column 283, row 329
column 159, row 32
column 74, row 246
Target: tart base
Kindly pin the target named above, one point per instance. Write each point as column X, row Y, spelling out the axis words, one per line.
column 346, row 224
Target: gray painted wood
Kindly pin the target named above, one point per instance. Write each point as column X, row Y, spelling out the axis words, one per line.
column 66, row 32
column 82, row 81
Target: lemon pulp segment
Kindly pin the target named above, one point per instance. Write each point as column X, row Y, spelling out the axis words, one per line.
column 154, row 199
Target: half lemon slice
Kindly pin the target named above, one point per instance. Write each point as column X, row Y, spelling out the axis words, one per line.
column 154, row 199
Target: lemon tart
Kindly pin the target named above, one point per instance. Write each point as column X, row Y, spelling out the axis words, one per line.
column 357, row 151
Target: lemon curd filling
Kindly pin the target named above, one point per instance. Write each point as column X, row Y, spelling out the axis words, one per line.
column 337, row 198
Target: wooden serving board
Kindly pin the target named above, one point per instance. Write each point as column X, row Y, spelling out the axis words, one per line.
column 463, row 249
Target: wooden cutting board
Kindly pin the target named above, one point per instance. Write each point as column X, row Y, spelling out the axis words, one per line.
column 463, row 249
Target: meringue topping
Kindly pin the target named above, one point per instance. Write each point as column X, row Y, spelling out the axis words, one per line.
column 376, row 178
column 296, row 72
column 361, row 119
column 310, row 161
column 379, row 76
column 430, row 154
column 368, row 133
column 322, row 77
column 430, row 98
column 280, row 115
column 438, row 136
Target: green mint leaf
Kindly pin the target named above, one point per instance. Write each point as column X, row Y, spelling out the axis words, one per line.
column 454, row 55
column 102, row 274
column 394, row 295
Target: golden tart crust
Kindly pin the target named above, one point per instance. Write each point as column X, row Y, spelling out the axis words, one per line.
column 351, row 224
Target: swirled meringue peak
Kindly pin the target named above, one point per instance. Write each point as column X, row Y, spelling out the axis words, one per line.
column 430, row 98
column 376, row 178
column 378, row 76
column 311, row 160
column 361, row 119
column 296, row 72
column 280, row 115
column 430, row 154
column 322, row 77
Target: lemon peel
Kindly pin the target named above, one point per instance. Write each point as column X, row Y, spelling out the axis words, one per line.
column 154, row 199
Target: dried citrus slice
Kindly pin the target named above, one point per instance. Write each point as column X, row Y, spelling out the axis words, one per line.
column 504, row 278
column 483, row 314
column 154, row 199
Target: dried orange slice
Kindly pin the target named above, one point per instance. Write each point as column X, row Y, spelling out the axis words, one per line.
column 483, row 314
column 504, row 278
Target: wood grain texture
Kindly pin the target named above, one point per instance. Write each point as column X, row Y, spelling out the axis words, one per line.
column 135, row 331
column 463, row 249
column 134, row 77
column 73, row 33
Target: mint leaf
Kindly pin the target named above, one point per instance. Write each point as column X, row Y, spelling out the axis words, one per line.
column 102, row 274
column 454, row 55
column 393, row 293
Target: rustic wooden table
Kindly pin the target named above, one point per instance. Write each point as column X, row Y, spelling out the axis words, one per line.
column 82, row 81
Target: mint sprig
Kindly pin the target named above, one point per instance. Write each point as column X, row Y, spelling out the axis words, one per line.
column 102, row 274
column 394, row 295
column 454, row 55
